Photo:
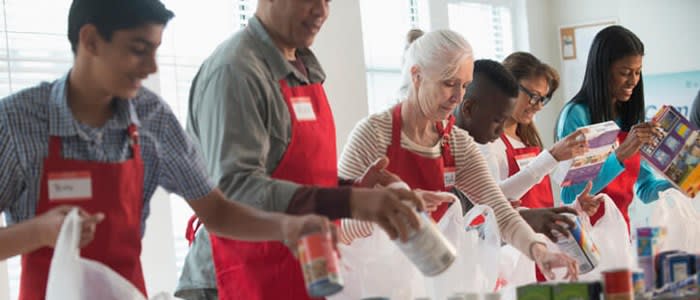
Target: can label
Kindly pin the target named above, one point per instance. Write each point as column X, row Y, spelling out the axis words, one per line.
column 319, row 264
column 638, row 282
column 579, row 246
column 427, row 248
column 617, row 284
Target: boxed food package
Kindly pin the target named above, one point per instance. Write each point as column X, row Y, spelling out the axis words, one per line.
column 601, row 139
column 676, row 154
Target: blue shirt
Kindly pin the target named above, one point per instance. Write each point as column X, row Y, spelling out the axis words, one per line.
column 647, row 187
column 29, row 117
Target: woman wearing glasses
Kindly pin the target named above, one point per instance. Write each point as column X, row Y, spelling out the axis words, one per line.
column 517, row 160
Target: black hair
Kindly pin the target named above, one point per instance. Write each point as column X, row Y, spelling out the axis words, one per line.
column 112, row 15
column 495, row 74
column 488, row 75
column 609, row 45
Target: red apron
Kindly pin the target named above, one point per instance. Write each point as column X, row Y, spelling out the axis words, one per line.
column 540, row 195
column 420, row 172
column 268, row 270
column 621, row 189
column 117, row 191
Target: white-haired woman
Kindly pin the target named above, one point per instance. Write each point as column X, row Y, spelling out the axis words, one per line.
column 428, row 152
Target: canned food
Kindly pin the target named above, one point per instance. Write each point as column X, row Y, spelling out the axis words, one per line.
column 578, row 245
column 319, row 263
column 427, row 248
column 617, row 284
column 638, row 283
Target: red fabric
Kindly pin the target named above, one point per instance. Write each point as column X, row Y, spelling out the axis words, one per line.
column 421, row 172
column 621, row 189
column 193, row 225
column 268, row 270
column 540, row 195
column 117, row 191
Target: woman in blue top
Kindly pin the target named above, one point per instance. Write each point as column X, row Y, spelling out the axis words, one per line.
column 612, row 90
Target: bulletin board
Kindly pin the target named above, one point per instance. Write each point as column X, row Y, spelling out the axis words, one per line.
column 574, row 43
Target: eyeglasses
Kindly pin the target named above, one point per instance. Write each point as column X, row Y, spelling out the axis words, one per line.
column 534, row 98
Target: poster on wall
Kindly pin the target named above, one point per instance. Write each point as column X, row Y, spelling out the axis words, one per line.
column 675, row 89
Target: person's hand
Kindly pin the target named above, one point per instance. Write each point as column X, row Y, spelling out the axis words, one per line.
column 294, row 227
column 589, row 203
column 434, row 199
column 377, row 175
column 515, row 203
column 545, row 220
column 573, row 145
column 387, row 208
column 547, row 261
column 49, row 225
column 640, row 134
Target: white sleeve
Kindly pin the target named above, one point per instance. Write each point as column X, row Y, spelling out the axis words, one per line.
column 514, row 187
column 517, row 185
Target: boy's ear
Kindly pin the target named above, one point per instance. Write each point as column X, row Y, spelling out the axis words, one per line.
column 88, row 39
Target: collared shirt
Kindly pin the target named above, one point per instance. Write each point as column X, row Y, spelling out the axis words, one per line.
column 29, row 117
column 238, row 114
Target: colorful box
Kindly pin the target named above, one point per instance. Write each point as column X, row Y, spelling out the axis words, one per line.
column 679, row 267
column 676, row 155
column 601, row 139
column 661, row 264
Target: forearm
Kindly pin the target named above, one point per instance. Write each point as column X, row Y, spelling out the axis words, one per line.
column 514, row 187
column 18, row 239
column 236, row 220
column 609, row 171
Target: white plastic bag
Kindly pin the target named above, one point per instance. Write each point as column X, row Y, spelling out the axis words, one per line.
column 375, row 267
column 77, row 278
column 73, row 277
column 611, row 237
column 609, row 234
column 478, row 250
column 676, row 213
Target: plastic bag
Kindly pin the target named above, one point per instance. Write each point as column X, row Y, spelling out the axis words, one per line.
column 609, row 234
column 74, row 277
column 375, row 267
column 611, row 237
column 478, row 252
column 676, row 213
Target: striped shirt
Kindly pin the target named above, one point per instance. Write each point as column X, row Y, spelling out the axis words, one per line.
column 370, row 140
column 29, row 117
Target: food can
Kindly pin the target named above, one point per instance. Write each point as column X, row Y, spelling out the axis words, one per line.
column 638, row 283
column 427, row 247
column 578, row 245
column 319, row 263
column 617, row 284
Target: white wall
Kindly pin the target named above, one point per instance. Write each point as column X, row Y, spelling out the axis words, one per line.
column 669, row 29
column 340, row 51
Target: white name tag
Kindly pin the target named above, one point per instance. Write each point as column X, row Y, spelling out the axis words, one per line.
column 303, row 109
column 450, row 177
column 70, row 186
column 524, row 159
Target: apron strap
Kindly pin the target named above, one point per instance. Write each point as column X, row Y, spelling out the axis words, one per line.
column 447, row 157
column 396, row 125
column 55, row 147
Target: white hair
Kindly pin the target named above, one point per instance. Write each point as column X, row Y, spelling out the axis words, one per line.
column 437, row 54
